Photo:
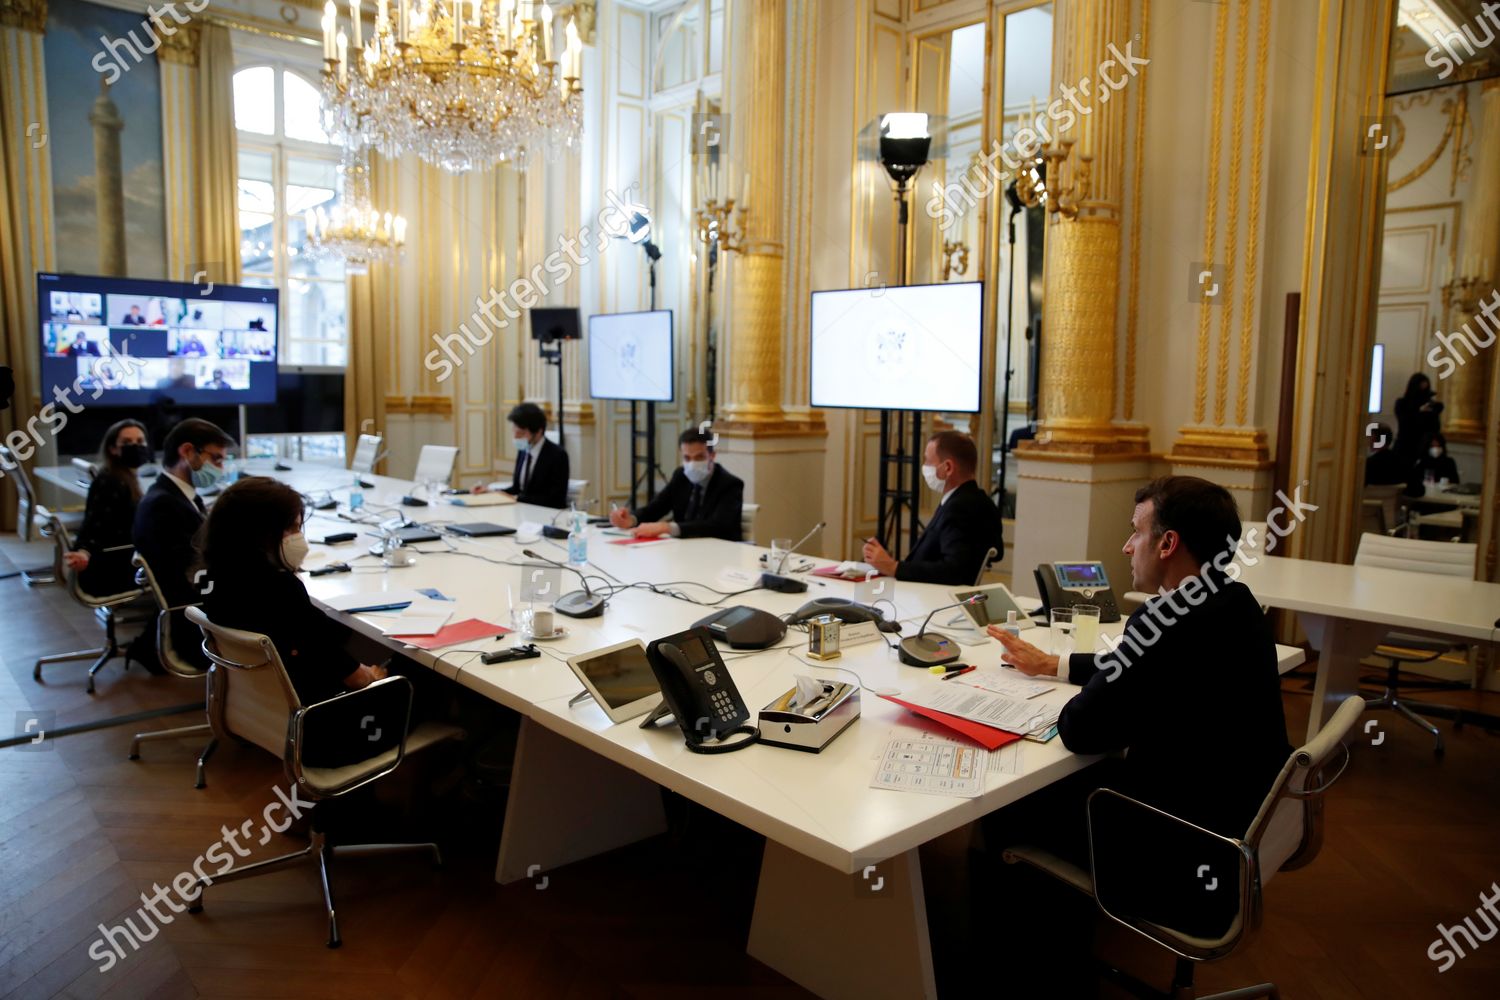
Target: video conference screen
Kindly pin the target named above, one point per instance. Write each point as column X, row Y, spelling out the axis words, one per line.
column 630, row 356
column 909, row 347
column 127, row 342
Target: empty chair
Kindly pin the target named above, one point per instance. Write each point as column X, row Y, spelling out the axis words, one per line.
column 103, row 605
column 747, row 521
column 1135, row 848
column 1380, row 505
column 366, row 454
column 576, row 489
column 435, row 464
column 172, row 663
column 251, row 698
column 1396, row 648
column 30, row 514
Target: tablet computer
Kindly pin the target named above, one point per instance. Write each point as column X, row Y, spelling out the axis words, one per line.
column 991, row 611
column 620, row 679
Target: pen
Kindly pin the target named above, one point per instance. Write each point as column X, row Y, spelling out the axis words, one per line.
column 958, row 673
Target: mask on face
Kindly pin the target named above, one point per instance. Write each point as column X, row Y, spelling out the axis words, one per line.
column 523, row 445
column 1435, row 452
column 294, row 549
column 133, row 456
column 697, row 472
column 930, row 476
column 207, row 475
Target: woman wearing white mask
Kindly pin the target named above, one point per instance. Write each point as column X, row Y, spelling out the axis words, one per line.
column 252, row 547
column 703, row 497
column 1437, row 465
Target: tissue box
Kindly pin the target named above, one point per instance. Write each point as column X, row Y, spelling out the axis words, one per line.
column 784, row 725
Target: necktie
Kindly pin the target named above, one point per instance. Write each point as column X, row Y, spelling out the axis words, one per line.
column 525, row 469
column 198, row 502
column 694, row 502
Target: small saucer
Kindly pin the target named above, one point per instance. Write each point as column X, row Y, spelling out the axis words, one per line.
column 558, row 633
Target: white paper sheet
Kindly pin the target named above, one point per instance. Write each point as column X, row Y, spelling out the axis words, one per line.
column 1014, row 715
column 932, row 767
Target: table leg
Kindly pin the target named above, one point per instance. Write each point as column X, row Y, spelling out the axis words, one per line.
column 568, row 803
column 857, row 936
column 1341, row 643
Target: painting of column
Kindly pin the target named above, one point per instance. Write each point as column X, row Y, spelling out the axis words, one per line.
column 104, row 107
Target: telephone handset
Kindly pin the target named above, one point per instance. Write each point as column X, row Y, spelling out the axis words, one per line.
column 697, row 688
column 1068, row 584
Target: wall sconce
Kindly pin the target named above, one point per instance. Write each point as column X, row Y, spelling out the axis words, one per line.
column 1032, row 185
column 722, row 223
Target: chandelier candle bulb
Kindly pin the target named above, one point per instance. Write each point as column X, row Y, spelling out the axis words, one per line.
column 359, row 35
column 546, row 32
column 329, row 14
column 456, row 11
column 343, row 57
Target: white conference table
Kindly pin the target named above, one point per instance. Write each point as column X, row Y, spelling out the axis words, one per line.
column 1346, row 610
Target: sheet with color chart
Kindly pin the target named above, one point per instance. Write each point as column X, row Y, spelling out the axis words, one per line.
column 933, row 767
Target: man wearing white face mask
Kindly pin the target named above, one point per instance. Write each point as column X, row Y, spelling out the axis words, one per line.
column 965, row 527
column 703, row 497
column 541, row 467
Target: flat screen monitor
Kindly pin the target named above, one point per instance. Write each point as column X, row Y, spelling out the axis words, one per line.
column 549, row 323
column 630, row 356
column 912, row 347
column 309, row 400
column 124, row 342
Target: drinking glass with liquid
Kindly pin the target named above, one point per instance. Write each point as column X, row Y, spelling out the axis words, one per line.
column 1085, row 628
column 1061, row 622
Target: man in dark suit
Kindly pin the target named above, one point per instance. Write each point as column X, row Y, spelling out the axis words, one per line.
column 704, row 498
column 1191, row 691
column 965, row 527
column 171, row 512
column 542, row 467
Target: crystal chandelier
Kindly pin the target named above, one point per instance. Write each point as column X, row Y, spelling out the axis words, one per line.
column 355, row 232
column 465, row 84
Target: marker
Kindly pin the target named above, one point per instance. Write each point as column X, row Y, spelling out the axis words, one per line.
column 958, row 673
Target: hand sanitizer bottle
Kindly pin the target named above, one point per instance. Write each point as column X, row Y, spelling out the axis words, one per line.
column 356, row 496
column 578, row 540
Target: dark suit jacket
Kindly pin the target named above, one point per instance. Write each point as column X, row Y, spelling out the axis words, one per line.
column 718, row 516
column 1196, row 698
column 108, row 520
column 950, row 551
column 166, row 522
column 548, row 485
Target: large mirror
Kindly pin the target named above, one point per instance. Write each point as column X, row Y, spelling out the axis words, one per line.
column 1424, row 408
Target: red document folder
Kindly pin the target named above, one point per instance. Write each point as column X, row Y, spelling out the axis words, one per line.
column 451, row 635
column 832, row 573
column 986, row 736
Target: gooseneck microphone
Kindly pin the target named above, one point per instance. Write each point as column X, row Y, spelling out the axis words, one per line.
column 579, row 603
column 785, row 584
column 923, row 650
column 781, row 566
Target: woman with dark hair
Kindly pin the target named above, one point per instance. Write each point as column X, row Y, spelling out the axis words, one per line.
column 110, row 513
column 252, row 546
column 1436, row 464
column 1417, row 415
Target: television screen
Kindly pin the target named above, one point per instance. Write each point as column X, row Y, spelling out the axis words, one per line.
column 912, row 347
column 630, row 356
column 126, row 342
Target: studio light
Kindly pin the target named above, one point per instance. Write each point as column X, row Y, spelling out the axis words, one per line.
column 905, row 143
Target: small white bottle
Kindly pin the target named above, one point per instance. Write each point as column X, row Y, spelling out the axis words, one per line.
column 578, row 540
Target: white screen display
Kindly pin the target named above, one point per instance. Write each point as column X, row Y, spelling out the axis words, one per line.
column 630, row 356
column 914, row 347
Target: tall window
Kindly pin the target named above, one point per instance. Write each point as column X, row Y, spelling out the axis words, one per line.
column 287, row 165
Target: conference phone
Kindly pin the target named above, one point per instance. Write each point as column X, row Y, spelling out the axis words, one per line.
column 1069, row 584
column 698, row 691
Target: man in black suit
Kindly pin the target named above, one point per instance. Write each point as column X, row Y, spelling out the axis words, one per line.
column 541, row 467
column 170, row 514
column 704, row 498
column 1191, row 691
column 965, row 527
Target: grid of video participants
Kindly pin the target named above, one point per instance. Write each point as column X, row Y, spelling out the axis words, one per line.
column 180, row 344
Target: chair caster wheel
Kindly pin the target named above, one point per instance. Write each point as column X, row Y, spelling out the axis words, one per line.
column 195, row 908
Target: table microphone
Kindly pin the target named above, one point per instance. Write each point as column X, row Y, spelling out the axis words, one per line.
column 578, row 604
column 921, row 650
column 785, row 584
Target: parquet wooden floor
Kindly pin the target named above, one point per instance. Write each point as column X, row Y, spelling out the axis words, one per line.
column 1412, row 841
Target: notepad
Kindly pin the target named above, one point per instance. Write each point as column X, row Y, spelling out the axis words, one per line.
column 481, row 499
column 425, row 618
column 371, row 600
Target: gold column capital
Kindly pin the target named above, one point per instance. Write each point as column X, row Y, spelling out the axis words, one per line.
column 28, row 15
column 181, row 46
column 1245, row 447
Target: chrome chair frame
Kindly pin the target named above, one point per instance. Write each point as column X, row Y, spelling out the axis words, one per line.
column 173, row 664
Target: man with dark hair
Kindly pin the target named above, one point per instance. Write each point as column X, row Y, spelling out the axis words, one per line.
column 703, row 497
column 965, row 527
column 171, row 512
column 541, row 476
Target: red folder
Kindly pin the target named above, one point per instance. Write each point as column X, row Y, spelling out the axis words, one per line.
column 832, row 573
column 986, row 736
column 639, row 541
column 451, row 635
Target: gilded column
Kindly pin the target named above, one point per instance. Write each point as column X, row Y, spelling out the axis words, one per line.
column 177, row 58
column 1479, row 257
column 1083, row 253
column 757, row 276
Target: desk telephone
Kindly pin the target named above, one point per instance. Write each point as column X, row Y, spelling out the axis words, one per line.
column 1068, row 584
column 698, row 691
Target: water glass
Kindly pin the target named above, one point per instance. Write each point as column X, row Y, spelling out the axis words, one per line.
column 1085, row 628
column 1061, row 622
column 781, row 549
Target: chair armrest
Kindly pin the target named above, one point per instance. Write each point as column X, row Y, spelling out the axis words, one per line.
column 368, row 725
